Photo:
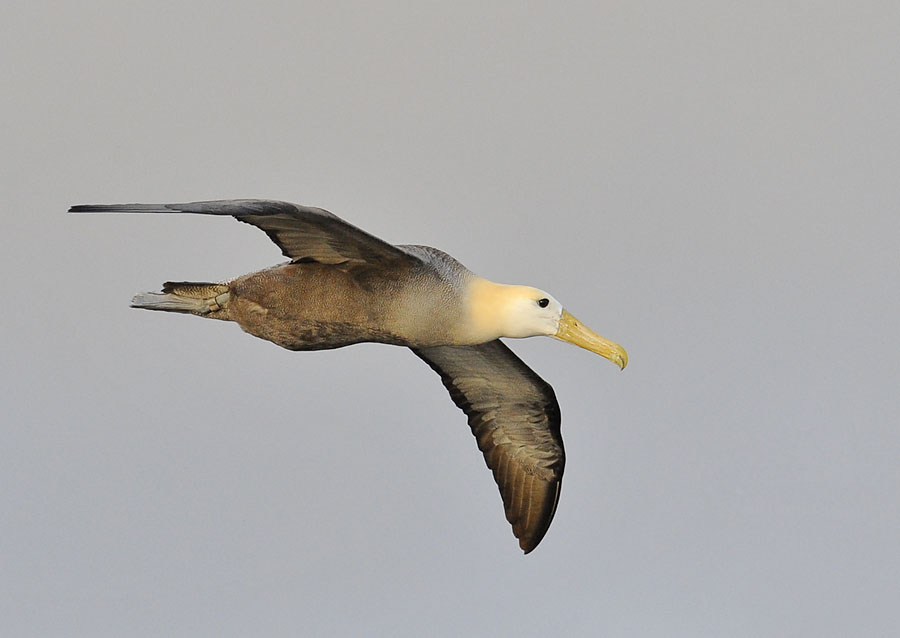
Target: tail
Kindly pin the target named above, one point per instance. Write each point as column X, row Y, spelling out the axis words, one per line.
column 196, row 298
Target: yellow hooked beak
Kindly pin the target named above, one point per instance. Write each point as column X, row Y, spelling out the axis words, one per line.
column 573, row 331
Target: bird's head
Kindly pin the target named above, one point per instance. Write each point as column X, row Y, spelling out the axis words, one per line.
column 499, row 310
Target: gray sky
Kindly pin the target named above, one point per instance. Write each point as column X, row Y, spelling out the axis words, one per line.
column 712, row 185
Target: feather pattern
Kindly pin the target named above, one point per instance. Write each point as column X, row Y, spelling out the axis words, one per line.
column 515, row 418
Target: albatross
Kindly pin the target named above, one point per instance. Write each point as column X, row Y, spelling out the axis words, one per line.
column 344, row 286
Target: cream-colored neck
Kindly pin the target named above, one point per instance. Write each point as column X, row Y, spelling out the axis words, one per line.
column 490, row 308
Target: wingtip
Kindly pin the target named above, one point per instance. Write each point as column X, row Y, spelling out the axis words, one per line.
column 529, row 543
column 531, row 536
column 118, row 208
column 90, row 208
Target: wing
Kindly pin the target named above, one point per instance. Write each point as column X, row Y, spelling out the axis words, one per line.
column 515, row 417
column 301, row 232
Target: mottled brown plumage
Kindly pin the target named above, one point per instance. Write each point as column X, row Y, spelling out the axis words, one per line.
column 344, row 286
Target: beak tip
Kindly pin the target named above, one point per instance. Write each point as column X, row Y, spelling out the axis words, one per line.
column 572, row 331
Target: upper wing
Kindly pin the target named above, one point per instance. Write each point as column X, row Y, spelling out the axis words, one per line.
column 301, row 232
column 515, row 417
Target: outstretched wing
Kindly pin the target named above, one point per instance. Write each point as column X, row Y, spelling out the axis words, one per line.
column 515, row 417
column 302, row 232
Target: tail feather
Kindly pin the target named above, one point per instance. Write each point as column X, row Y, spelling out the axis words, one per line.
column 196, row 298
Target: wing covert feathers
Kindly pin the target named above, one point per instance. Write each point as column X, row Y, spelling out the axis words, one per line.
column 515, row 418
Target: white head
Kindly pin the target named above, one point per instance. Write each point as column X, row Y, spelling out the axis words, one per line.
column 527, row 312
column 498, row 310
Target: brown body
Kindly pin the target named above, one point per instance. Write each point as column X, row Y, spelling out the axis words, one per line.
column 314, row 306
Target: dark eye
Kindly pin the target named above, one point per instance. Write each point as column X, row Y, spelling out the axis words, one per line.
column 543, row 303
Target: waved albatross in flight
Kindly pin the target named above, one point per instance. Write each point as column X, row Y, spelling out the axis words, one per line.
column 344, row 286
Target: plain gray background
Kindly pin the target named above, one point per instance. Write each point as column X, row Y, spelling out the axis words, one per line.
column 714, row 185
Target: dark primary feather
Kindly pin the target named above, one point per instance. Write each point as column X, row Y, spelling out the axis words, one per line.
column 515, row 418
column 302, row 232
